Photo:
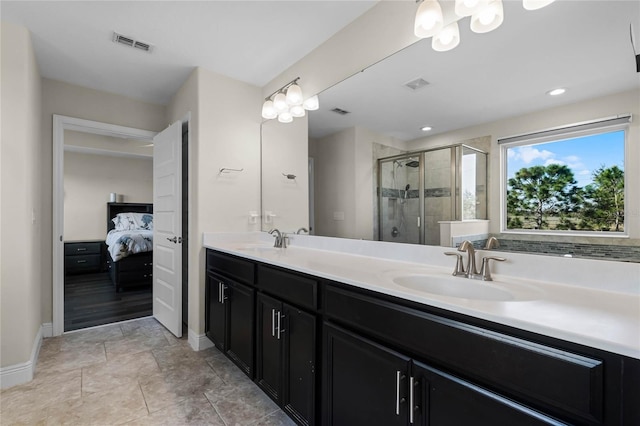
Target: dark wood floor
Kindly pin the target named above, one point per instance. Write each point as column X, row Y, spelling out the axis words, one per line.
column 91, row 299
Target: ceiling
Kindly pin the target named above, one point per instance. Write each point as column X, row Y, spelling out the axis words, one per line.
column 251, row 41
column 583, row 46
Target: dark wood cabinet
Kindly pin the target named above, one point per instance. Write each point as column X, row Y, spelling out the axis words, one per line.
column 383, row 360
column 286, row 354
column 367, row 383
column 230, row 319
column 82, row 257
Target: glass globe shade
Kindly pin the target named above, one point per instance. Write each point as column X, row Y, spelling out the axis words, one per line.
column 268, row 110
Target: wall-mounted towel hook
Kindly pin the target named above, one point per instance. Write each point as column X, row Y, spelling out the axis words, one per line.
column 227, row 170
column 289, row 176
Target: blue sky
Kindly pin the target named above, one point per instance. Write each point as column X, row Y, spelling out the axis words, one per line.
column 583, row 155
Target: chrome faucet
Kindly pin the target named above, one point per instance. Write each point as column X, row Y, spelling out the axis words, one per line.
column 492, row 242
column 470, row 271
column 278, row 236
column 303, row 229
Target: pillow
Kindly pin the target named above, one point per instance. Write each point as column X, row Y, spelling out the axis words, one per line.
column 133, row 221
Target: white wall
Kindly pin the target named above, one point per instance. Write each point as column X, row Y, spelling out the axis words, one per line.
column 88, row 181
column 76, row 101
column 21, row 210
column 225, row 132
column 383, row 30
column 285, row 151
column 607, row 106
column 345, row 182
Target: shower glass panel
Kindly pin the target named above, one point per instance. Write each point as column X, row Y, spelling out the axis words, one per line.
column 439, row 191
column 399, row 199
column 417, row 191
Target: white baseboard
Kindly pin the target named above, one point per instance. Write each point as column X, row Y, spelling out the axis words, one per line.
column 47, row 330
column 18, row 374
column 199, row 342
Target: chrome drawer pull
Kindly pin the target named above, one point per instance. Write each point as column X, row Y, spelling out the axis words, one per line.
column 411, row 400
column 82, row 249
column 397, row 393
column 82, row 261
column 273, row 323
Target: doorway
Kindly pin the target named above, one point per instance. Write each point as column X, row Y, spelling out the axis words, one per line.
column 60, row 125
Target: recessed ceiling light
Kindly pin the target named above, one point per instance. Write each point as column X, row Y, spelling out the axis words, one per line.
column 556, row 92
column 426, row 128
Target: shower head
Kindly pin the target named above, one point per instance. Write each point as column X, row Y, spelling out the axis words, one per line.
column 412, row 163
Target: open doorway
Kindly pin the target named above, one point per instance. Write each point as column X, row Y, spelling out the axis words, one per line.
column 106, row 177
column 63, row 128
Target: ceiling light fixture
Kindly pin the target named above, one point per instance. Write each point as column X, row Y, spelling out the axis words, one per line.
column 426, row 128
column 556, row 92
column 287, row 102
column 486, row 16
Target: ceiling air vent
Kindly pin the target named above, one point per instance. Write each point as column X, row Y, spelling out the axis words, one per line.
column 416, row 84
column 340, row 111
column 129, row 41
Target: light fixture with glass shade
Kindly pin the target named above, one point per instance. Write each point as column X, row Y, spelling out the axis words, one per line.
column 429, row 19
column 468, row 7
column 285, row 117
column 486, row 15
column 288, row 103
column 488, row 18
column 280, row 103
column 268, row 110
column 297, row 111
column 294, row 95
column 446, row 39
column 312, row 103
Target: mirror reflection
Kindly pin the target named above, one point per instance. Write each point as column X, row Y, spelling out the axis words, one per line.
column 376, row 174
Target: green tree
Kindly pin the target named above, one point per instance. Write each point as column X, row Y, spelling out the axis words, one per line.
column 604, row 200
column 542, row 191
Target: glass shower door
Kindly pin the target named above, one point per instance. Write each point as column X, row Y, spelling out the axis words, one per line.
column 399, row 198
column 439, row 191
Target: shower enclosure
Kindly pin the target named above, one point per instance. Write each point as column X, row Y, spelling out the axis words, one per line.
column 416, row 191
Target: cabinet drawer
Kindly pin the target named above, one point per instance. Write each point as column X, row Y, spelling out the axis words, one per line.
column 82, row 263
column 566, row 383
column 71, row 249
column 297, row 289
column 233, row 267
column 141, row 277
column 137, row 262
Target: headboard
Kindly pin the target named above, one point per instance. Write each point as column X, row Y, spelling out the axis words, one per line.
column 114, row 208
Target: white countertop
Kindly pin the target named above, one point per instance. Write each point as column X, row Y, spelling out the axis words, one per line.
column 602, row 313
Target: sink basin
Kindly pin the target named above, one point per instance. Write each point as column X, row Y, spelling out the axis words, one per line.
column 464, row 288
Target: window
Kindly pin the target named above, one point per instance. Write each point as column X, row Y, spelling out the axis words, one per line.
column 568, row 180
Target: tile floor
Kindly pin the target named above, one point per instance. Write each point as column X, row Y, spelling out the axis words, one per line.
column 135, row 373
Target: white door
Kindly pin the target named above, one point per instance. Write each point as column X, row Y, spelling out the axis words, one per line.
column 167, row 228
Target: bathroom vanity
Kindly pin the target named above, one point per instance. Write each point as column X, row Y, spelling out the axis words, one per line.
column 330, row 344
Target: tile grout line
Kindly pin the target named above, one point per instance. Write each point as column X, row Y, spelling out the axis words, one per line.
column 144, row 398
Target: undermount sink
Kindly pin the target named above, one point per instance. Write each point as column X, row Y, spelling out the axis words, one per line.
column 464, row 288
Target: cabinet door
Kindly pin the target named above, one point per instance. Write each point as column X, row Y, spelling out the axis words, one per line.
column 440, row 399
column 299, row 365
column 216, row 311
column 269, row 348
column 240, row 323
column 366, row 384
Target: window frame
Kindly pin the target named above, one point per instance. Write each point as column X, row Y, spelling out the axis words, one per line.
column 608, row 125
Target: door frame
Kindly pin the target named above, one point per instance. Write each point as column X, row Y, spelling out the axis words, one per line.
column 60, row 124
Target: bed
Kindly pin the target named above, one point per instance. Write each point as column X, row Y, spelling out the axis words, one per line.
column 130, row 244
